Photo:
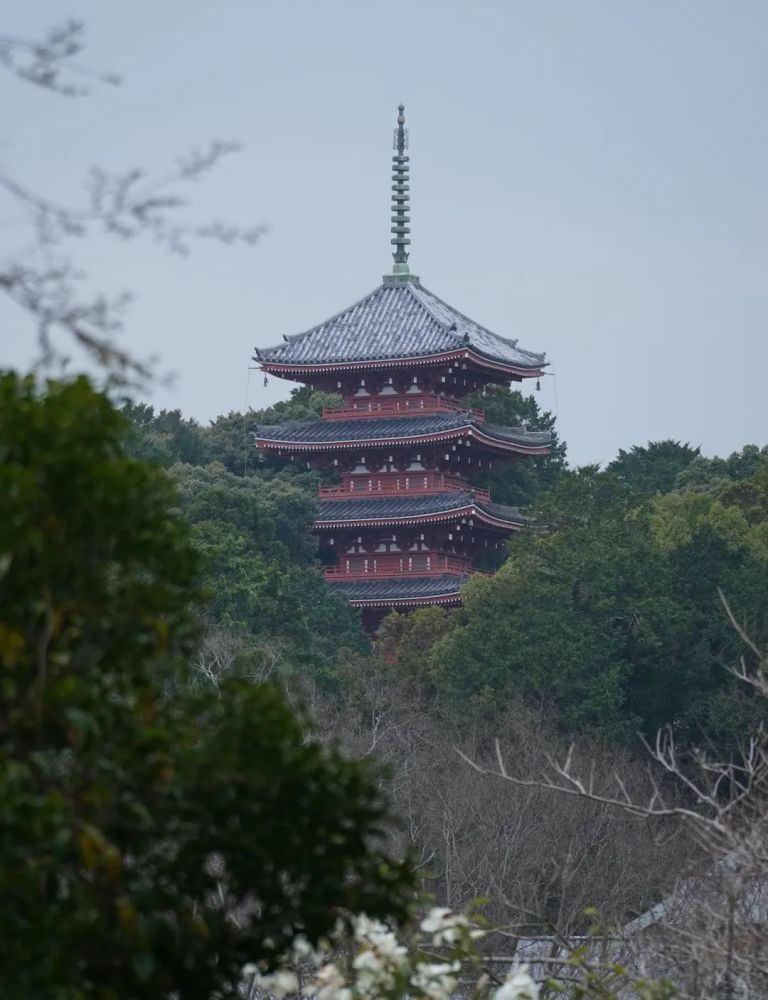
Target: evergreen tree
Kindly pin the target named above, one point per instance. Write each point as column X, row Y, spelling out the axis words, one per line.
column 147, row 848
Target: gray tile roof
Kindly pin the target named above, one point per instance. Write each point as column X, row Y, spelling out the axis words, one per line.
column 504, row 512
column 383, row 508
column 399, row 320
column 399, row 588
column 370, row 429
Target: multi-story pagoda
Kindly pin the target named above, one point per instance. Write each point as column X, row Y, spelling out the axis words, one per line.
column 404, row 526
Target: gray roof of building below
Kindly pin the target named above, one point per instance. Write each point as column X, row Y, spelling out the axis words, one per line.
column 431, row 504
column 401, row 589
column 397, row 320
column 370, row 429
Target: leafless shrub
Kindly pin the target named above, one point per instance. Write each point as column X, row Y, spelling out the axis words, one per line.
column 225, row 651
column 708, row 933
column 538, row 860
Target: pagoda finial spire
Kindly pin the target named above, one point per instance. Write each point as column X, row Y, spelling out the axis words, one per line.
column 400, row 196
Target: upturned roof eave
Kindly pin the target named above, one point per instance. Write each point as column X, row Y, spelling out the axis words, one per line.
column 402, row 602
column 432, row 517
column 457, row 426
column 434, row 595
column 488, row 443
column 484, row 359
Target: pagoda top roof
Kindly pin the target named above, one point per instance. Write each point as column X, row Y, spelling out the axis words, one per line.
column 402, row 590
column 315, row 435
column 400, row 320
column 434, row 506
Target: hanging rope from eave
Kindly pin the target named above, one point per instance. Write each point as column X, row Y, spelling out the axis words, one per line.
column 251, row 368
column 557, row 407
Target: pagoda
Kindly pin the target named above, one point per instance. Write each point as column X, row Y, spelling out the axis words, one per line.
column 403, row 526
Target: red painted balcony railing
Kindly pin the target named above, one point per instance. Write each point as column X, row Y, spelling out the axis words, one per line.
column 399, row 483
column 398, row 406
column 357, row 567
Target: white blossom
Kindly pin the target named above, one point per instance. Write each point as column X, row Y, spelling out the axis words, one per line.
column 329, row 984
column 380, row 946
column 367, row 961
column 363, row 926
column 435, row 919
column 302, row 951
column 445, row 926
column 518, row 986
column 437, row 980
column 373, row 971
column 280, row 983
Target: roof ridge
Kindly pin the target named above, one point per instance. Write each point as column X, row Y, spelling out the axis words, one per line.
column 507, row 340
column 512, row 341
column 289, row 338
column 425, row 306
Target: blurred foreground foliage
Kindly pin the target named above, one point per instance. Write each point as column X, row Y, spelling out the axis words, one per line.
column 149, row 845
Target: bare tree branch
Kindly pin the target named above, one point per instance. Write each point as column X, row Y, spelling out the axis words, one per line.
column 43, row 280
column 51, row 62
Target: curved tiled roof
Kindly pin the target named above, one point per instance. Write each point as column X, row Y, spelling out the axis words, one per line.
column 409, row 507
column 389, row 428
column 397, row 320
column 403, row 590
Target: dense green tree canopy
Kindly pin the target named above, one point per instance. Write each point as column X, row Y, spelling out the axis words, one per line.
column 255, row 533
column 652, row 469
column 610, row 608
column 165, row 437
column 147, row 848
column 709, row 473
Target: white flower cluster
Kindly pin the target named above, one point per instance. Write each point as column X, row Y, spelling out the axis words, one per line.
column 447, row 927
column 278, row 984
column 383, row 967
column 380, row 961
column 436, row 980
column 518, row 986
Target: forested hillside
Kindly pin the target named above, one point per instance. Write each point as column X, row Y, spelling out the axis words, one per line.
column 606, row 612
column 604, row 624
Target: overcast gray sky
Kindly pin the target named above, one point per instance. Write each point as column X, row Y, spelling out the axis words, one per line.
column 589, row 177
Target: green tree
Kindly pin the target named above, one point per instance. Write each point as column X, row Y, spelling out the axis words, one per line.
column 255, row 533
column 612, row 614
column 520, row 483
column 405, row 639
column 147, row 848
column 230, row 438
column 165, row 437
column 653, row 468
column 538, row 628
column 711, row 473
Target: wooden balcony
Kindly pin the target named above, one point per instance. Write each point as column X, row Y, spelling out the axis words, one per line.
column 389, row 564
column 385, row 484
column 399, row 406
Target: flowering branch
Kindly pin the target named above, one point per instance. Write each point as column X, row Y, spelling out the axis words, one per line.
column 372, row 962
